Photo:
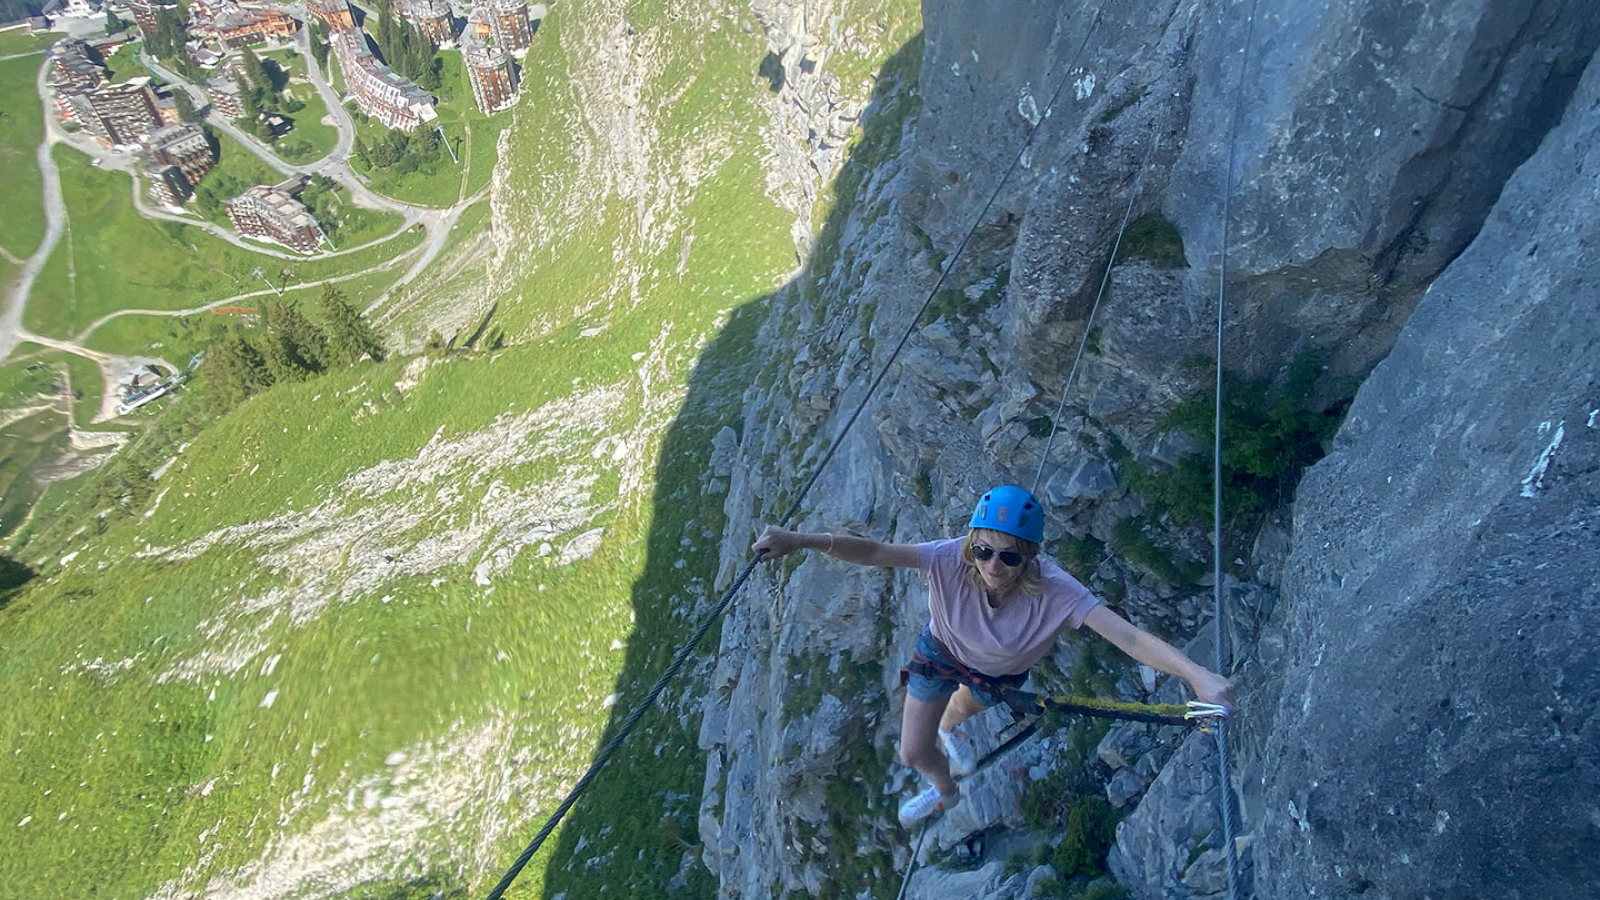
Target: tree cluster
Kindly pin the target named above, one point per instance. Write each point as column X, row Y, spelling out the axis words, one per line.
column 263, row 94
column 289, row 348
column 402, row 151
column 13, row 10
column 319, row 44
column 166, row 41
column 1268, row 439
column 185, row 104
column 13, row 574
column 406, row 50
column 321, row 196
column 218, row 186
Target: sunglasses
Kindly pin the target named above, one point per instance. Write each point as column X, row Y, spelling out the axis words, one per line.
column 1008, row 558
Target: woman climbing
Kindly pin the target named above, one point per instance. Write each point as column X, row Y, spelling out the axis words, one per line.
column 996, row 607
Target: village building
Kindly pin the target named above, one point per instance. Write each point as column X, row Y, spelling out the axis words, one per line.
column 144, row 13
column 393, row 100
column 107, row 44
column 478, row 24
column 237, row 26
column 75, row 9
column 334, row 13
column 167, row 109
column 75, row 67
column 223, row 91
column 275, row 214
column 118, row 115
column 204, row 57
column 433, row 18
column 493, row 76
column 509, row 23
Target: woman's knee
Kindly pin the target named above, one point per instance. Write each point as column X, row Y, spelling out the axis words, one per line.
column 917, row 754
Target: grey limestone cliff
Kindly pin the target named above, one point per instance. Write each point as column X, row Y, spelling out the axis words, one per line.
column 1412, row 718
column 1434, row 732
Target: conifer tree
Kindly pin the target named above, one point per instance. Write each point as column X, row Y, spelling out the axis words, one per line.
column 234, row 370
column 297, row 343
column 280, row 364
column 254, row 72
column 319, row 43
column 350, row 337
column 13, row 574
column 283, row 364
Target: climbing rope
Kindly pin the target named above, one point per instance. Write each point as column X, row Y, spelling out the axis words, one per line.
column 1083, row 342
column 1224, row 782
column 945, row 271
column 628, row 725
column 905, row 882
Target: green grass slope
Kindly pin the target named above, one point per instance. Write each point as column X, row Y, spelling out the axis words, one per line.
column 112, row 258
column 21, row 130
column 363, row 632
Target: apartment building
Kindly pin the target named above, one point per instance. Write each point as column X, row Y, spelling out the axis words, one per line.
column 333, row 13
column 118, row 115
column 509, row 23
column 144, row 13
column 492, row 75
column 74, row 67
column 223, row 92
column 395, row 101
column 276, row 214
column 176, row 158
column 236, row 26
column 433, row 18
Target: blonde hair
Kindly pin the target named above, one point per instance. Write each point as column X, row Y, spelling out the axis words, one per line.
column 1031, row 581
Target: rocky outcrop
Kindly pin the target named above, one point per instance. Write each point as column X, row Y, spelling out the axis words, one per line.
column 1434, row 733
column 1373, row 141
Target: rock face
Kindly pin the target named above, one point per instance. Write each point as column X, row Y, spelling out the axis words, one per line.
column 1434, row 735
column 1371, row 161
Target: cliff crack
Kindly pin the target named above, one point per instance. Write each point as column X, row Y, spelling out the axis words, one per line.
column 1437, row 102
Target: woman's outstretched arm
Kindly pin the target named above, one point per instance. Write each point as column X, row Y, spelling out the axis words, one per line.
column 1145, row 647
column 775, row 542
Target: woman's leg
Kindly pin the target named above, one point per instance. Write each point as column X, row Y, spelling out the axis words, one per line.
column 963, row 706
column 919, row 742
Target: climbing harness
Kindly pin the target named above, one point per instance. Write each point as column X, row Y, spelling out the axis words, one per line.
column 949, row 669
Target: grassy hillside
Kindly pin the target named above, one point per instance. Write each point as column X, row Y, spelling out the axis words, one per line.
column 112, row 258
column 21, row 129
column 363, row 632
column 312, row 138
column 473, row 136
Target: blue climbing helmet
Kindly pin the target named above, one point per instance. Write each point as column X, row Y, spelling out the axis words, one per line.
column 1011, row 510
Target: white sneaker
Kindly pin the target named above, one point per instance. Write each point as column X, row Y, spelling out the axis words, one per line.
column 928, row 803
column 958, row 750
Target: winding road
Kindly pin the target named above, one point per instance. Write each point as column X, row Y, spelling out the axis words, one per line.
column 437, row 222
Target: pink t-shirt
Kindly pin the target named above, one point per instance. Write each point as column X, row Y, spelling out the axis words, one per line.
column 1004, row 641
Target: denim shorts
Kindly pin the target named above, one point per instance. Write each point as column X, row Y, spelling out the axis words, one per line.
column 933, row 690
